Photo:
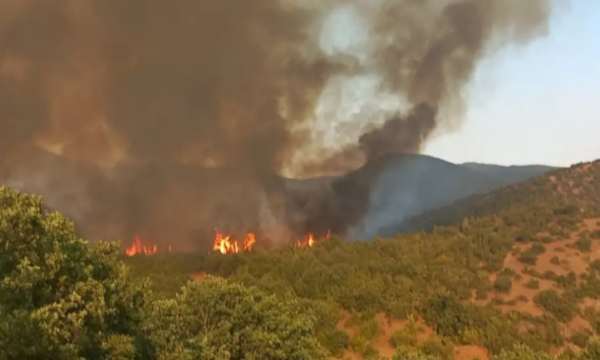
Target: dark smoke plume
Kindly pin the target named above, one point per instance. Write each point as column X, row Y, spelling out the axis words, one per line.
column 142, row 97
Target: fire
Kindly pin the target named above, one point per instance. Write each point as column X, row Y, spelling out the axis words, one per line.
column 225, row 245
column 310, row 240
column 249, row 242
column 138, row 248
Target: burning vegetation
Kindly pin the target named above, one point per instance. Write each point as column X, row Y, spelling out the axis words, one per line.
column 138, row 248
column 224, row 244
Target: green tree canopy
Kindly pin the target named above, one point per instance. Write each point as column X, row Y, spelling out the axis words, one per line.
column 218, row 320
column 61, row 298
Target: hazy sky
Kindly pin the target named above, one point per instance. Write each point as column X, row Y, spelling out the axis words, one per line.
column 538, row 104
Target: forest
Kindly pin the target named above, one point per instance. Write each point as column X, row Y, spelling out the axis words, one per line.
column 509, row 275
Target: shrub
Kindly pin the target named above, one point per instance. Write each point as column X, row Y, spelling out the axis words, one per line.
column 537, row 249
column 547, row 240
column 562, row 308
column 438, row 347
column 584, row 244
column 503, row 284
column 528, row 257
column 522, row 298
column 580, row 339
column 595, row 265
column 532, row 284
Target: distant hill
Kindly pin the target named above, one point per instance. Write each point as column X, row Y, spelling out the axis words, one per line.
column 403, row 185
column 510, row 174
column 577, row 186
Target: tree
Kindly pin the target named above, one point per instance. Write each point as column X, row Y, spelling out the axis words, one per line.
column 591, row 351
column 60, row 297
column 218, row 320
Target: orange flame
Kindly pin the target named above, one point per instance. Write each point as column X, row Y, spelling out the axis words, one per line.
column 309, row 241
column 138, row 248
column 249, row 241
column 225, row 245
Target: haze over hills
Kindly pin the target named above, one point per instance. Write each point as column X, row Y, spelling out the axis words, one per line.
column 134, row 199
column 511, row 173
column 403, row 185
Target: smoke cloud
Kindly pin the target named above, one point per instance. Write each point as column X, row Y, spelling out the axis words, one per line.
column 138, row 99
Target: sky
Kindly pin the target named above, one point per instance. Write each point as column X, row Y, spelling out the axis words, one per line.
column 538, row 104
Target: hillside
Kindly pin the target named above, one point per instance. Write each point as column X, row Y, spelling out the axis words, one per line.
column 403, row 185
column 526, row 273
column 551, row 192
column 522, row 282
column 510, row 174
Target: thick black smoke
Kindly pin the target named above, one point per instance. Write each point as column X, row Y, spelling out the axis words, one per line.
column 144, row 99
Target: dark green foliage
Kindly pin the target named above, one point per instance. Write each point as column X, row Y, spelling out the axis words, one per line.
column 215, row 319
column 555, row 260
column 547, row 239
column 563, row 308
column 584, row 244
column 503, row 284
column 439, row 347
column 60, row 297
column 595, row 265
column 537, row 249
column 580, row 339
column 528, row 257
column 532, row 272
column 168, row 274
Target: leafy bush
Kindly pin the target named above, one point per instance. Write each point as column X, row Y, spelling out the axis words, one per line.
column 528, row 257
column 532, row 284
column 563, row 308
column 537, row 249
column 503, row 284
column 584, row 244
column 580, row 339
